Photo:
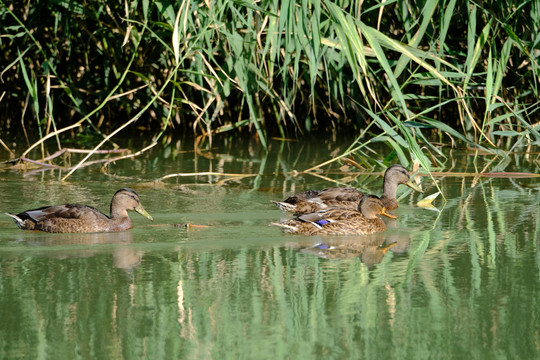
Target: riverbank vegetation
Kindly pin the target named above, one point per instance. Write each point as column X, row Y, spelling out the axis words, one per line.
column 414, row 76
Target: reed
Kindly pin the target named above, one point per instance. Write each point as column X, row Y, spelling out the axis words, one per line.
column 410, row 75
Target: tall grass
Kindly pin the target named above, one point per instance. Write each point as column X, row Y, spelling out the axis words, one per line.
column 410, row 75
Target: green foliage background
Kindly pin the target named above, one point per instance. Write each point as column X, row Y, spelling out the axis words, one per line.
column 407, row 74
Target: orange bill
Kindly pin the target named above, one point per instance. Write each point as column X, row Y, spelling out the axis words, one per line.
column 383, row 212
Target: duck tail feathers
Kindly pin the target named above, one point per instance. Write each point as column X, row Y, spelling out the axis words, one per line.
column 285, row 206
column 284, row 226
column 16, row 219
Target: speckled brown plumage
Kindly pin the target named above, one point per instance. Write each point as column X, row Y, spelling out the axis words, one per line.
column 345, row 197
column 74, row 218
column 362, row 221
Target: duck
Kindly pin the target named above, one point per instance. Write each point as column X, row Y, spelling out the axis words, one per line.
column 363, row 221
column 75, row 218
column 312, row 201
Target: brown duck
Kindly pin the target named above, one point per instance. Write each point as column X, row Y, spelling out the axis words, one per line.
column 73, row 218
column 345, row 197
column 363, row 221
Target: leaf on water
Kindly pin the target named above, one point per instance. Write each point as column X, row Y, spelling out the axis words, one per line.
column 427, row 202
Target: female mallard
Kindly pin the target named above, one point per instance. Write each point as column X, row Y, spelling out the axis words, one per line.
column 341, row 221
column 347, row 198
column 72, row 218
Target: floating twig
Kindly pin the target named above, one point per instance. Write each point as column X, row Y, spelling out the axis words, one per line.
column 42, row 162
column 204, row 173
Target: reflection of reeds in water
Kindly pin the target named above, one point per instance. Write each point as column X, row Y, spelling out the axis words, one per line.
column 469, row 278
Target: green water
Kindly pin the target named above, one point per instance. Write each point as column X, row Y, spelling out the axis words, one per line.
column 461, row 282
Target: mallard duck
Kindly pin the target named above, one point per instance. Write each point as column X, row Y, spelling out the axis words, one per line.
column 362, row 221
column 345, row 197
column 73, row 218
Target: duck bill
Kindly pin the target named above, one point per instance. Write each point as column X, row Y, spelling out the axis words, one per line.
column 383, row 212
column 413, row 185
column 143, row 212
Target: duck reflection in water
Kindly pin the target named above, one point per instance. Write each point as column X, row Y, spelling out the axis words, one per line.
column 73, row 246
column 371, row 249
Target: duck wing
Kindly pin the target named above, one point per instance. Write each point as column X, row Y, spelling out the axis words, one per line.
column 332, row 215
column 320, row 200
column 67, row 211
column 340, row 194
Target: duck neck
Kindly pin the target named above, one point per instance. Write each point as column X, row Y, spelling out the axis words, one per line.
column 118, row 212
column 120, row 224
column 389, row 189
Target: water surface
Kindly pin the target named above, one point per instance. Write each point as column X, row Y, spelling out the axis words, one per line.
column 461, row 281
